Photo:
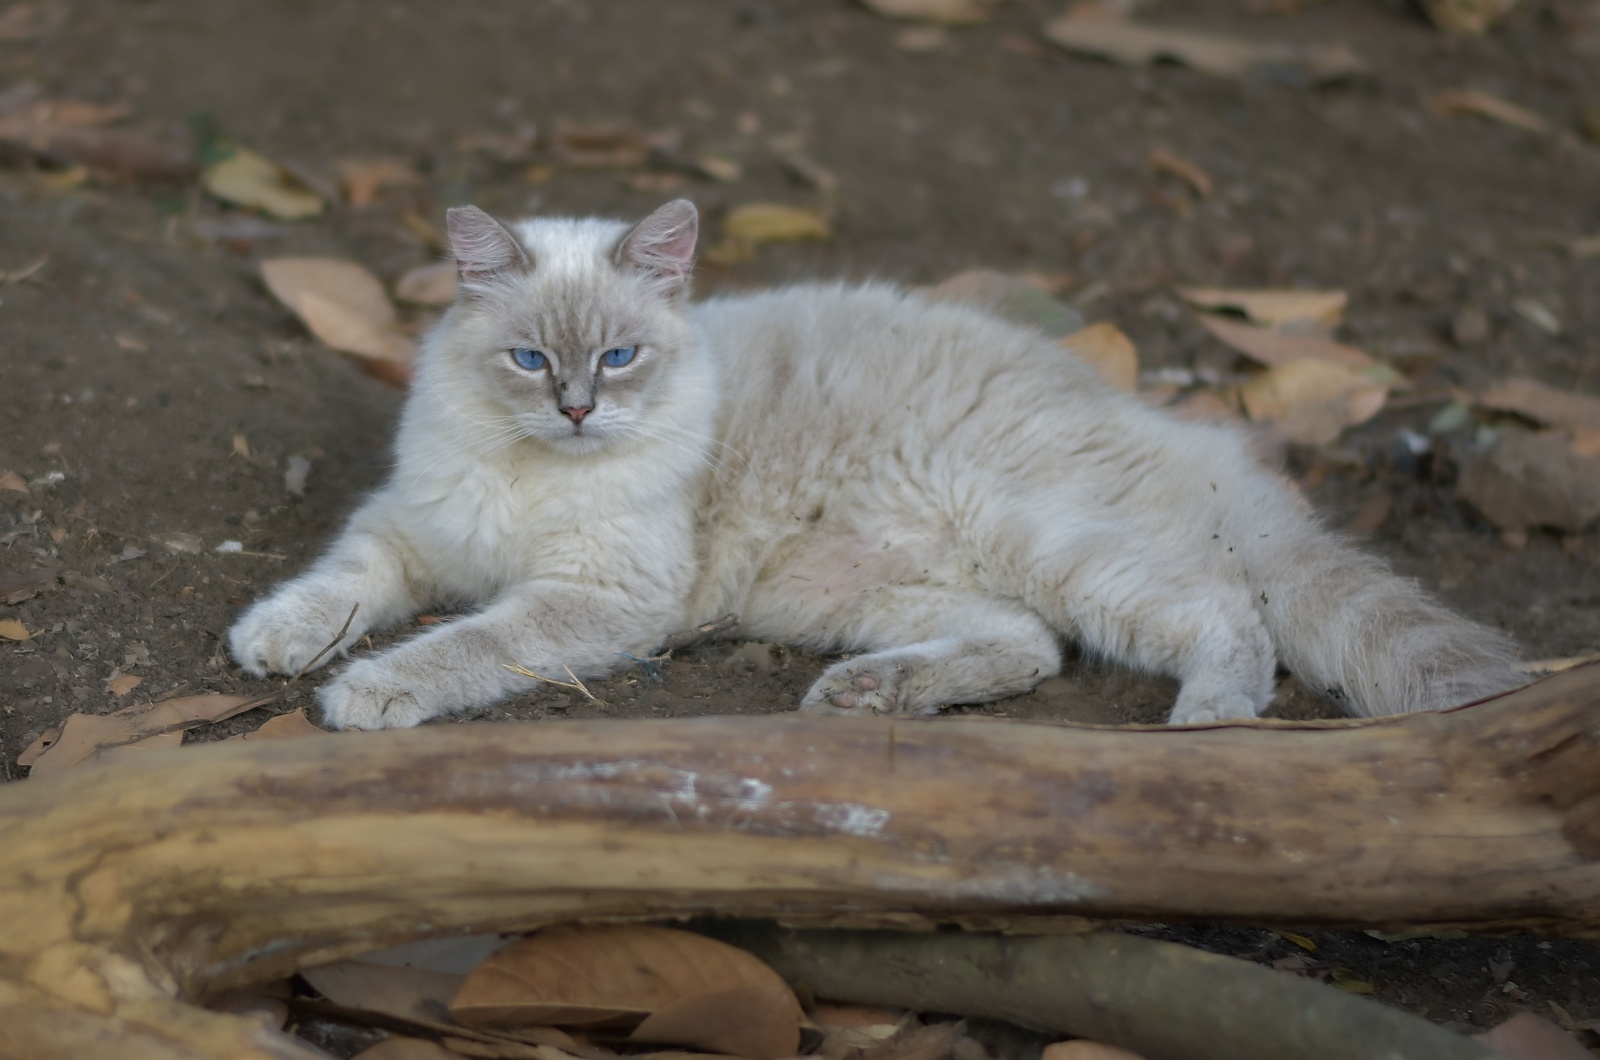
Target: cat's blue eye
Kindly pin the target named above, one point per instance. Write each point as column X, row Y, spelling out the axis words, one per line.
column 531, row 360
column 618, row 357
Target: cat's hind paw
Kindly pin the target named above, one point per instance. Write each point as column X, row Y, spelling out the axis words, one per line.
column 369, row 695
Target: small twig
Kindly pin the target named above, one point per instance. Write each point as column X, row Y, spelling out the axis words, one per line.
column 573, row 684
column 334, row 643
column 690, row 637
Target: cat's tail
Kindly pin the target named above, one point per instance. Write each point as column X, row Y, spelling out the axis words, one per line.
column 1354, row 631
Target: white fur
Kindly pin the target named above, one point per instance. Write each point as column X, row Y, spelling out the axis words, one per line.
column 850, row 469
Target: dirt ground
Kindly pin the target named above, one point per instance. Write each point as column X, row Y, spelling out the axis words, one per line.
column 145, row 344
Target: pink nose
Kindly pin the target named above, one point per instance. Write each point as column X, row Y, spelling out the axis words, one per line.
column 576, row 413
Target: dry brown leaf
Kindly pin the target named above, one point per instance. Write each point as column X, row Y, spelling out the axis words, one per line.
column 1311, row 401
column 1527, row 479
column 1084, row 1049
column 11, row 629
column 74, row 132
column 605, row 147
column 46, row 740
column 122, row 684
column 1019, row 299
column 361, row 179
column 1163, row 161
column 1109, row 352
column 291, row 726
column 343, row 304
column 1271, row 347
column 1467, row 16
column 1586, row 441
column 397, row 1048
column 431, row 284
column 90, row 737
column 1133, row 44
column 949, row 12
column 1369, row 518
column 405, row 993
column 1205, row 406
column 619, row 975
column 1542, row 404
column 756, row 1020
column 1471, row 101
column 857, row 1017
column 13, row 481
column 245, row 178
column 1291, row 311
column 765, row 222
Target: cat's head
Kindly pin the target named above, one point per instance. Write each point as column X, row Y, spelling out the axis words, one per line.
column 571, row 331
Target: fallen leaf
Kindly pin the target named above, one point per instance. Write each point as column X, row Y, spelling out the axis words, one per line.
column 1272, row 348
column 762, row 222
column 620, row 975
column 123, row 684
column 397, row 1048
column 1544, row 405
column 296, row 469
column 880, row 1021
column 405, row 993
column 1134, row 44
column 1483, row 105
column 424, row 230
column 15, row 588
column 88, row 737
column 180, row 541
column 292, row 726
column 604, row 147
column 1298, row 940
column 1109, row 352
column 1537, row 313
column 245, row 178
column 125, row 341
column 1583, row 246
column 949, row 12
column 1351, row 983
column 1369, row 518
column 915, row 1042
column 11, row 629
column 29, row 21
column 1467, row 16
column 1526, row 1036
column 1084, row 1049
column 1291, row 311
column 1205, row 406
column 1530, row 479
column 1312, row 401
column 64, row 133
column 81, row 115
column 431, row 284
column 342, row 304
column 31, row 753
column 1018, row 299
column 1163, row 161
column 756, row 1020
column 10, row 480
column 361, row 179
column 1585, row 442
column 241, row 446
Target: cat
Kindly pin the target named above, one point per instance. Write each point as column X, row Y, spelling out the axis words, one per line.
column 593, row 462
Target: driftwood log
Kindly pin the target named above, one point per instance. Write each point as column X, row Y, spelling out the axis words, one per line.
column 131, row 891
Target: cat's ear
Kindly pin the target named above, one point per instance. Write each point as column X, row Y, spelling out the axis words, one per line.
column 481, row 245
column 662, row 245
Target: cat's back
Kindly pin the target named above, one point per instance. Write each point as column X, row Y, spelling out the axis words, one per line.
column 835, row 362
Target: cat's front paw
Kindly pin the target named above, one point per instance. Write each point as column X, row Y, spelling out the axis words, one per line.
column 865, row 685
column 286, row 631
column 370, row 694
column 1198, row 706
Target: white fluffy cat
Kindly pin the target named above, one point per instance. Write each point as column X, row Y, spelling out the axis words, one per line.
column 593, row 463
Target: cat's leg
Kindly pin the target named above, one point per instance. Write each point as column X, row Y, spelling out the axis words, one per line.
column 369, row 565
column 1169, row 613
column 548, row 627
column 928, row 647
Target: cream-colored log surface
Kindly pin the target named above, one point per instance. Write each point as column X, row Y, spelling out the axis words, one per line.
column 129, row 887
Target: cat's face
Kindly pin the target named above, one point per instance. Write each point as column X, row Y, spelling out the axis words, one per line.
column 569, row 335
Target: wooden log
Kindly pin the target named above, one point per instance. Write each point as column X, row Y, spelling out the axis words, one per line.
column 129, row 888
